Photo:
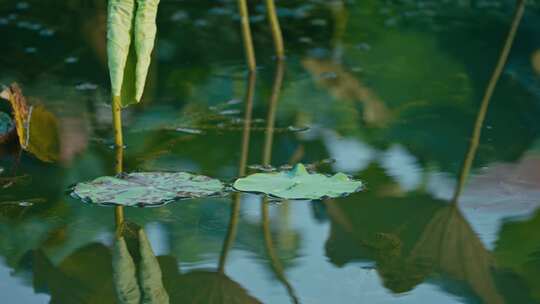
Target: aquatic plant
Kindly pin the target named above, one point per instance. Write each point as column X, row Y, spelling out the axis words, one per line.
column 298, row 183
column 131, row 33
column 146, row 188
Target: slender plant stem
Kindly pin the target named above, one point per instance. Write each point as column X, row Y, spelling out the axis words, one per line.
column 276, row 29
column 117, row 121
column 119, row 217
column 475, row 140
column 276, row 91
column 119, row 152
column 246, row 34
column 235, row 208
column 247, row 124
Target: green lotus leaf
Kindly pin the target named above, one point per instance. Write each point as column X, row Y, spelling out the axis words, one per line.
column 145, row 36
column 146, row 188
column 131, row 33
column 298, row 184
column 119, row 32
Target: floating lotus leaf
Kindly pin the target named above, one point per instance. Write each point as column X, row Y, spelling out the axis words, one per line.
column 298, row 184
column 146, row 189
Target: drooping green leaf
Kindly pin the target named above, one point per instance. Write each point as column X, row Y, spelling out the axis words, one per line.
column 146, row 188
column 145, row 36
column 298, row 184
column 127, row 92
column 131, row 33
column 119, row 33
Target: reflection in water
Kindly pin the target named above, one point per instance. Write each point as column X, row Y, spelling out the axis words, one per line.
column 408, row 234
column 450, row 246
column 271, row 118
column 235, row 208
column 421, row 237
column 520, row 8
column 345, row 86
column 137, row 274
column 267, row 158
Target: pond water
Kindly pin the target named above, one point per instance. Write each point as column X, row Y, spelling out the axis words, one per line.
column 385, row 91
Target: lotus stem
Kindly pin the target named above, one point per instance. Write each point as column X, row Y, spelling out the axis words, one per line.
column 117, row 121
column 475, row 139
column 276, row 29
column 119, row 152
column 247, row 124
column 119, row 218
column 246, row 34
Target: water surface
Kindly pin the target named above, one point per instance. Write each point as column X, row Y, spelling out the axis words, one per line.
column 389, row 90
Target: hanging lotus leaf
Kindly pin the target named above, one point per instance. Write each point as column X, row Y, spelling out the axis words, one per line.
column 298, row 183
column 131, row 32
column 146, row 188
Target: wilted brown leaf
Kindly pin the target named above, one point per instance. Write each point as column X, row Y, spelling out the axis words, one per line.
column 37, row 128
